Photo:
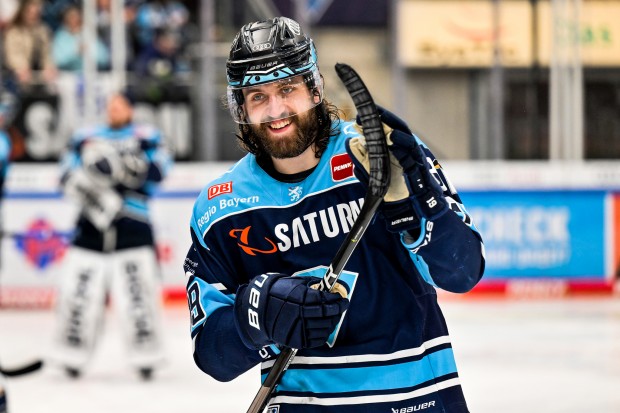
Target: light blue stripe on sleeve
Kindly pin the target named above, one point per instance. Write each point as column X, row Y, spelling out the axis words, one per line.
column 372, row 378
column 422, row 267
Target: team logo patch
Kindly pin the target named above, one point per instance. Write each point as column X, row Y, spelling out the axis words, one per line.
column 345, row 287
column 273, row 409
column 41, row 244
column 341, row 167
column 242, row 237
column 295, row 192
column 219, row 189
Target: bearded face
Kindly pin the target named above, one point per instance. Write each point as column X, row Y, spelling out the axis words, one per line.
column 285, row 138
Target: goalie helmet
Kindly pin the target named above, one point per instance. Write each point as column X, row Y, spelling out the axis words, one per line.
column 270, row 51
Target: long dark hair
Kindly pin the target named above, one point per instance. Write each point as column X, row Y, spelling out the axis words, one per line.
column 327, row 115
column 18, row 17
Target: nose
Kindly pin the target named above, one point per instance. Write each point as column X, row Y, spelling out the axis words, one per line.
column 278, row 107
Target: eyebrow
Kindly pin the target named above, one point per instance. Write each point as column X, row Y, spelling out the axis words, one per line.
column 253, row 89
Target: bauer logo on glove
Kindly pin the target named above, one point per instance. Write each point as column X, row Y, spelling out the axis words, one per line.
column 279, row 309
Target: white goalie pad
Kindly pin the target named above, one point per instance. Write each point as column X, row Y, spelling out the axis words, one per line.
column 136, row 296
column 80, row 306
column 100, row 203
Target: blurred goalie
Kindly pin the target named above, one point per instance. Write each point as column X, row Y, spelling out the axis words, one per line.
column 111, row 171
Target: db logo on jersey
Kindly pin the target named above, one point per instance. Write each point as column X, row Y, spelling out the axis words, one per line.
column 342, row 167
column 219, row 189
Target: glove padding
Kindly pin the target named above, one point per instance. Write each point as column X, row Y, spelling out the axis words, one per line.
column 414, row 192
column 279, row 309
column 99, row 203
column 126, row 166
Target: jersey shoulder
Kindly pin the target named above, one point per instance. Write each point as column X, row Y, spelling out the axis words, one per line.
column 146, row 132
column 82, row 135
column 234, row 191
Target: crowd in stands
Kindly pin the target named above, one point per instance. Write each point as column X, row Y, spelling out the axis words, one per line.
column 46, row 36
column 41, row 39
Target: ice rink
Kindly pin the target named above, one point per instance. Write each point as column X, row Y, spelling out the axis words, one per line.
column 541, row 356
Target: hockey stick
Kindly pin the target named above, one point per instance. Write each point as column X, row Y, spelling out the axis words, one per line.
column 378, row 182
column 20, row 371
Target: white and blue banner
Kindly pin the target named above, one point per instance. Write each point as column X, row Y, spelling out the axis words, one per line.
column 551, row 234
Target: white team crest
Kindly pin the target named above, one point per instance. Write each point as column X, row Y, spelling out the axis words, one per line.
column 295, row 192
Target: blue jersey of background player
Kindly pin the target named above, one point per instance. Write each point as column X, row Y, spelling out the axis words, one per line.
column 8, row 108
column 110, row 171
column 5, row 153
column 264, row 231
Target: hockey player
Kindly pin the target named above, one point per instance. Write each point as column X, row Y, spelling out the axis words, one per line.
column 111, row 171
column 8, row 99
column 264, row 231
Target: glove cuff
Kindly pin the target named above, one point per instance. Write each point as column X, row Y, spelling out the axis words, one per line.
column 250, row 303
column 251, row 340
column 400, row 216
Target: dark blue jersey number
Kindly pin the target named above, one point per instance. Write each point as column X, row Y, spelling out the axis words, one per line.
column 195, row 308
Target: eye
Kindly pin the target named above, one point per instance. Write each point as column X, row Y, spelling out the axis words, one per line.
column 257, row 97
column 286, row 90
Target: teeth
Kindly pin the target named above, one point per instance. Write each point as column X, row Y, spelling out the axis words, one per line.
column 279, row 124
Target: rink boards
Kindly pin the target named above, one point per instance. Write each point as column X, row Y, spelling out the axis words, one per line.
column 549, row 229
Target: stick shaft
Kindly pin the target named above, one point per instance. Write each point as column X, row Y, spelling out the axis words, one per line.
column 378, row 183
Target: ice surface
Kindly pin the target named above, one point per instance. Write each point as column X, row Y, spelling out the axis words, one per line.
column 514, row 356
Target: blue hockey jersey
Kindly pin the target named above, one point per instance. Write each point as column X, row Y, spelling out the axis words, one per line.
column 391, row 351
column 148, row 141
column 5, row 155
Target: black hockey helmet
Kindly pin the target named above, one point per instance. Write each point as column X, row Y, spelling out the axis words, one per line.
column 268, row 51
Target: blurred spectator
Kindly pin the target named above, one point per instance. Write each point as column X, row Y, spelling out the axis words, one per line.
column 157, row 69
column 170, row 15
column 161, row 59
column 52, row 13
column 68, row 46
column 104, row 24
column 9, row 98
column 27, row 45
column 104, row 21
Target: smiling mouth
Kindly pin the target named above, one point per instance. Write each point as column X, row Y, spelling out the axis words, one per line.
column 279, row 124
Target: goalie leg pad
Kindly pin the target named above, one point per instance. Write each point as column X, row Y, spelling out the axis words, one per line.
column 3, row 403
column 136, row 295
column 80, row 307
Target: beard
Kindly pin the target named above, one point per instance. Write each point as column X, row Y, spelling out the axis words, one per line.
column 290, row 146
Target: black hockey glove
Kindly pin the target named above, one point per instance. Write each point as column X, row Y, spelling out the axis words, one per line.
column 414, row 193
column 279, row 309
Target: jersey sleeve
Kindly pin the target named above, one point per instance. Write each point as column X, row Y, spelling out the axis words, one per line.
column 157, row 154
column 211, row 287
column 70, row 159
column 5, row 154
column 448, row 252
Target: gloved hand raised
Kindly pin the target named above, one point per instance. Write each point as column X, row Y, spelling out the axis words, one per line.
column 279, row 309
column 414, row 193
